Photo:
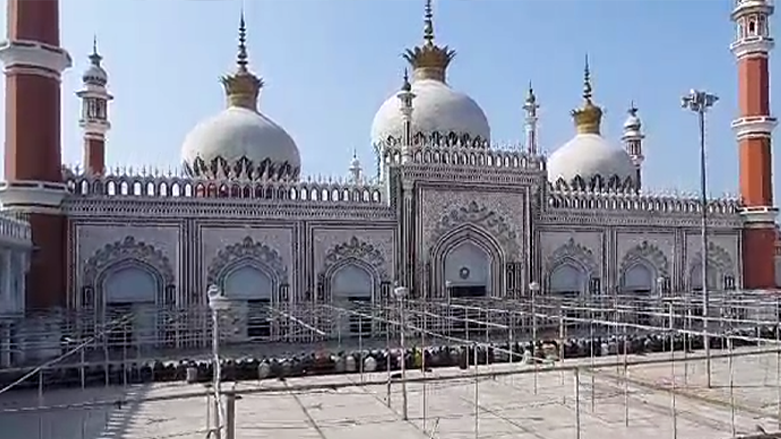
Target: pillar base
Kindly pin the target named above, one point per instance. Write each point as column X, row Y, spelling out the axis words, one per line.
column 759, row 247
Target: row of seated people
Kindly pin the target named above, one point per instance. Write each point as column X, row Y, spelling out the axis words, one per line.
column 377, row 360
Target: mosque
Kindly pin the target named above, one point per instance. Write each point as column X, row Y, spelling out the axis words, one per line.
column 444, row 212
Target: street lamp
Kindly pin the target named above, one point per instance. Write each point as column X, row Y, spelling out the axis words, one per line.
column 699, row 102
column 217, row 303
column 401, row 293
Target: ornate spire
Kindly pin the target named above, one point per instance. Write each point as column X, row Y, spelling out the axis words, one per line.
column 95, row 57
column 531, row 98
column 589, row 117
column 242, row 88
column 429, row 61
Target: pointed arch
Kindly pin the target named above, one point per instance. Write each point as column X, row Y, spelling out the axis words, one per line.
column 251, row 255
column 456, row 236
column 721, row 266
column 125, row 254
column 571, row 258
column 640, row 262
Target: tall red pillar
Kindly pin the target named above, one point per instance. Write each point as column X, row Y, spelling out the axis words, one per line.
column 753, row 129
column 34, row 62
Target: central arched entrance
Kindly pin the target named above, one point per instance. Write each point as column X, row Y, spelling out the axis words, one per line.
column 467, row 276
column 468, row 271
column 352, row 290
column 250, row 288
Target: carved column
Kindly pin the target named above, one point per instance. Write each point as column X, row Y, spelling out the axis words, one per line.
column 407, row 236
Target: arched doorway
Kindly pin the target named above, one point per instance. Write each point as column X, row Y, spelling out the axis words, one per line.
column 130, row 294
column 352, row 288
column 468, row 271
column 695, row 277
column 250, row 290
column 569, row 281
column 637, row 284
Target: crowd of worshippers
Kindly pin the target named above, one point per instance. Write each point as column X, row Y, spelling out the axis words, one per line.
column 380, row 360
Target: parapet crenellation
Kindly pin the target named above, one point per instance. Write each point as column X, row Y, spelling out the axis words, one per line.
column 631, row 200
column 157, row 184
column 452, row 150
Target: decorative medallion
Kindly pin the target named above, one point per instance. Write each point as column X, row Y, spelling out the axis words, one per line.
column 463, row 273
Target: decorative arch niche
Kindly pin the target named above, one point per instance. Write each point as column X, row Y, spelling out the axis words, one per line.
column 466, row 236
column 642, row 266
column 720, row 267
column 572, row 265
column 490, row 222
column 128, row 259
column 353, row 262
column 249, row 263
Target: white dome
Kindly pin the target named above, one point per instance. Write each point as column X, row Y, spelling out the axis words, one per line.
column 437, row 108
column 588, row 156
column 241, row 135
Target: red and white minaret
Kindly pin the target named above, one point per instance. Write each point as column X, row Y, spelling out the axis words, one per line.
column 34, row 61
column 753, row 129
column 94, row 113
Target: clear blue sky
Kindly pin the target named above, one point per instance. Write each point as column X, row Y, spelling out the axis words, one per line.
column 329, row 64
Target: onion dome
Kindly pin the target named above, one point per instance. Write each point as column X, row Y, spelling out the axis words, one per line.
column 95, row 74
column 588, row 160
column 241, row 141
column 438, row 108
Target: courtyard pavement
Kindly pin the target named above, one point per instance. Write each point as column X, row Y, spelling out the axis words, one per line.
column 541, row 405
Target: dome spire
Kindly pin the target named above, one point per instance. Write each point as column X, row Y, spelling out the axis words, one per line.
column 429, row 61
column 242, row 58
column 589, row 117
column 428, row 24
column 242, row 88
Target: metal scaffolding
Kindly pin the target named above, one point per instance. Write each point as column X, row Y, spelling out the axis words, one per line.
column 738, row 325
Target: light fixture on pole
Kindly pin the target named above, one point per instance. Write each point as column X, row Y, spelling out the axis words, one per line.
column 217, row 303
column 401, row 293
column 699, row 102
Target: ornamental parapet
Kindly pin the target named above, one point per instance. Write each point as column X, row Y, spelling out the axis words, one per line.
column 155, row 184
column 634, row 201
column 15, row 229
column 453, row 151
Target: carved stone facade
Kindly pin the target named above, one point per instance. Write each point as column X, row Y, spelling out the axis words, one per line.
column 440, row 226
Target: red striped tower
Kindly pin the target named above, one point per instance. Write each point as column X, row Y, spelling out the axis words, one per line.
column 34, row 61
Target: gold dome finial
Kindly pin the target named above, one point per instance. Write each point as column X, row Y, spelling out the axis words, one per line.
column 242, row 88
column 428, row 60
column 589, row 117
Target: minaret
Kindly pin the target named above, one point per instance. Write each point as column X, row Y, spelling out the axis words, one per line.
column 429, row 61
column 753, row 129
column 531, row 107
column 94, row 113
column 633, row 141
column 356, row 172
column 34, row 62
column 405, row 96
